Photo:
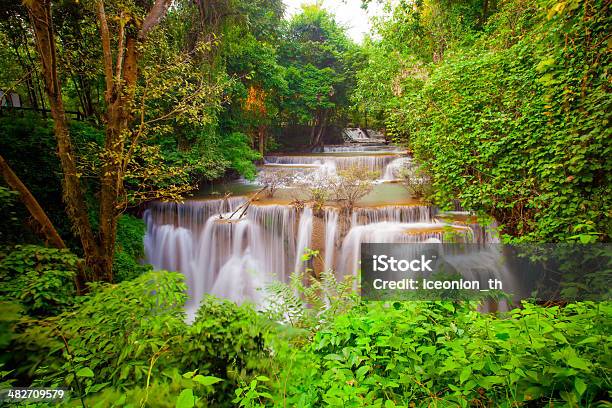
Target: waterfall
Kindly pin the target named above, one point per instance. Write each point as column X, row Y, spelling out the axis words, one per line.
column 481, row 233
column 371, row 162
column 229, row 257
column 362, row 149
column 191, row 214
column 234, row 257
column 331, row 229
column 242, row 275
column 387, row 232
column 356, row 134
column 392, row 213
column 393, row 169
column 304, row 236
column 359, row 136
column 168, row 247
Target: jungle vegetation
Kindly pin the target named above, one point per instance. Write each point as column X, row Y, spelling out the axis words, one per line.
column 505, row 104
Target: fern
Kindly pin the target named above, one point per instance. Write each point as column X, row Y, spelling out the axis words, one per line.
column 309, row 302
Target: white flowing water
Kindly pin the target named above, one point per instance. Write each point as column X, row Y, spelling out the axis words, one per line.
column 231, row 253
column 228, row 257
column 331, row 232
column 392, row 213
column 387, row 232
column 356, row 134
column 374, row 163
column 394, row 169
column 355, row 148
column 303, row 238
column 234, row 257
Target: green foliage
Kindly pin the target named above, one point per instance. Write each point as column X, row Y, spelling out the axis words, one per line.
column 128, row 343
column 236, row 150
column 200, row 153
column 27, row 143
column 226, row 340
column 129, row 250
column 512, row 116
column 41, row 279
column 7, row 197
column 417, row 182
column 9, row 223
column 313, row 89
column 313, row 305
column 146, row 312
column 444, row 354
column 168, row 391
column 132, row 336
column 10, row 313
column 202, row 385
column 253, row 394
column 319, row 58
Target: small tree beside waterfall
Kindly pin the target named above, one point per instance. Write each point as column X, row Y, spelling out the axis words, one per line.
column 353, row 184
column 416, row 181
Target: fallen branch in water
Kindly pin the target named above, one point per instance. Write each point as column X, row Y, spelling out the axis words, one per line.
column 244, row 206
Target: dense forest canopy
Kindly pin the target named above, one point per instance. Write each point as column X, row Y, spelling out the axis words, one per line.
column 506, row 103
column 110, row 106
column 204, row 87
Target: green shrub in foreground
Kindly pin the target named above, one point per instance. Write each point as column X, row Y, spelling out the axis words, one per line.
column 41, row 279
column 131, row 338
column 128, row 343
column 440, row 354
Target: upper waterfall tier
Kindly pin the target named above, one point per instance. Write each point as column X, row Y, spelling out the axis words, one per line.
column 374, row 162
column 355, row 148
column 358, row 135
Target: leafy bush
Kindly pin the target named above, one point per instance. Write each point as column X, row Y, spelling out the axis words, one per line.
column 133, row 336
column 417, row 182
column 129, row 249
column 444, row 354
column 41, row 279
column 235, row 148
column 10, row 312
column 116, row 334
column 517, row 125
column 228, row 342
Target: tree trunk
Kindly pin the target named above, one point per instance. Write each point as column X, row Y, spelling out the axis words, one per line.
column 118, row 118
column 46, row 226
column 314, row 129
column 322, row 123
column 262, row 140
column 485, row 11
column 40, row 17
column 119, row 97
